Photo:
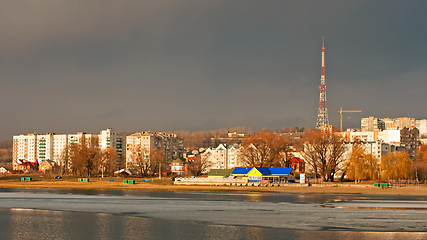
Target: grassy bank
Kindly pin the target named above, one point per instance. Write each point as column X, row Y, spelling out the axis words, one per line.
column 115, row 183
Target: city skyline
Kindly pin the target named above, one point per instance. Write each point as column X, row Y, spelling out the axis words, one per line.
column 194, row 65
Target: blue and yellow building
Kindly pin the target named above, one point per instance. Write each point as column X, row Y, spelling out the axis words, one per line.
column 265, row 174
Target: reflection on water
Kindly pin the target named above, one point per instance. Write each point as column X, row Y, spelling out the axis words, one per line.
column 40, row 224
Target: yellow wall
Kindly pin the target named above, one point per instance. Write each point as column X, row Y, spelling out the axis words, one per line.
column 254, row 172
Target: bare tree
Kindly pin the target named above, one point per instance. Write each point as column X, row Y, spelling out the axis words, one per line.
column 323, row 152
column 145, row 160
column 157, row 160
column 264, row 149
column 108, row 161
column 65, row 161
column 199, row 165
column 85, row 157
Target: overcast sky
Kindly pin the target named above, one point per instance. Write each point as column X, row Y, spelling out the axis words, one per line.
column 68, row 66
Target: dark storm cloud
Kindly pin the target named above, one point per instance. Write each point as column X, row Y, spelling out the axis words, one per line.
column 136, row 65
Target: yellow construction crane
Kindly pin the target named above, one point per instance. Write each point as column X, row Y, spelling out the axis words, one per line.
column 345, row 111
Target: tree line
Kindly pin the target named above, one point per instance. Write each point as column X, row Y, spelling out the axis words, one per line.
column 327, row 155
column 86, row 159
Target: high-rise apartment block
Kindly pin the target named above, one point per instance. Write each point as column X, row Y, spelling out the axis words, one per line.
column 143, row 143
column 110, row 139
column 370, row 124
column 24, row 147
column 39, row 147
column 422, row 127
column 375, row 124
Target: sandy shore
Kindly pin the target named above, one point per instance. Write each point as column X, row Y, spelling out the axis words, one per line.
column 167, row 185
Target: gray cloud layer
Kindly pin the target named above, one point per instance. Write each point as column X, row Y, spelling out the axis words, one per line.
column 164, row 65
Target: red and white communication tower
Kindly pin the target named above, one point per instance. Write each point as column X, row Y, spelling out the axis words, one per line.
column 322, row 116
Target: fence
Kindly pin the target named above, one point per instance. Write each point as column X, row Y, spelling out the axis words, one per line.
column 210, row 181
column 403, row 183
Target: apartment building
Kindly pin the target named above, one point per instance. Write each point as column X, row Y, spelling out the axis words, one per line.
column 222, row 157
column 379, row 143
column 110, row 139
column 60, row 144
column 409, row 140
column 39, row 147
column 370, row 124
column 378, row 124
column 24, row 149
column 375, row 148
column 45, row 146
column 422, row 127
column 170, row 146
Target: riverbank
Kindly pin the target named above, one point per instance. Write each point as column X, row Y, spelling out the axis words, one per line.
column 14, row 181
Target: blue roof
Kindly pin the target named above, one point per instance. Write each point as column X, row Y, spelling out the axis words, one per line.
column 263, row 170
column 280, row 170
column 241, row 170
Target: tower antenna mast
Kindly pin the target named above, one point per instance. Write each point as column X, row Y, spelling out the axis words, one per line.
column 322, row 115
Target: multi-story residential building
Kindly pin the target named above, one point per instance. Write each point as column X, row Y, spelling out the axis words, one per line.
column 363, row 136
column 375, row 124
column 375, row 148
column 379, row 143
column 45, row 146
column 422, row 127
column 222, row 157
column 60, row 144
column 370, row 124
column 409, row 139
column 109, row 139
column 404, row 122
column 390, row 137
column 24, row 149
column 143, row 143
column 37, row 148
column 388, row 123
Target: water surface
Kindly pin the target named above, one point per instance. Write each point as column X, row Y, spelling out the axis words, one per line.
column 96, row 214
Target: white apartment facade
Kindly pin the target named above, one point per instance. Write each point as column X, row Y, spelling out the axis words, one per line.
column 45, row 146
column 422, row 127
column 222, row 157
column 375, row 124
column 110, row 139
column 39, row 147
column 24, row 148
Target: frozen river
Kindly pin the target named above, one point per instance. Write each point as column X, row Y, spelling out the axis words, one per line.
column 206, row 215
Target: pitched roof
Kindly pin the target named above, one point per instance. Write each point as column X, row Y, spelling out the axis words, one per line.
column 296, row 160
column 241, row 170
column 220, row 172
column 178, row 160
column 280, row 170
column 263, row 170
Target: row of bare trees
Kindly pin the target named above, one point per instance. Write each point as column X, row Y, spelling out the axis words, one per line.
column 265, row 149
column 86, row 159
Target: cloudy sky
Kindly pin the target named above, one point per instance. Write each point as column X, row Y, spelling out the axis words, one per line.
column 68, row 66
